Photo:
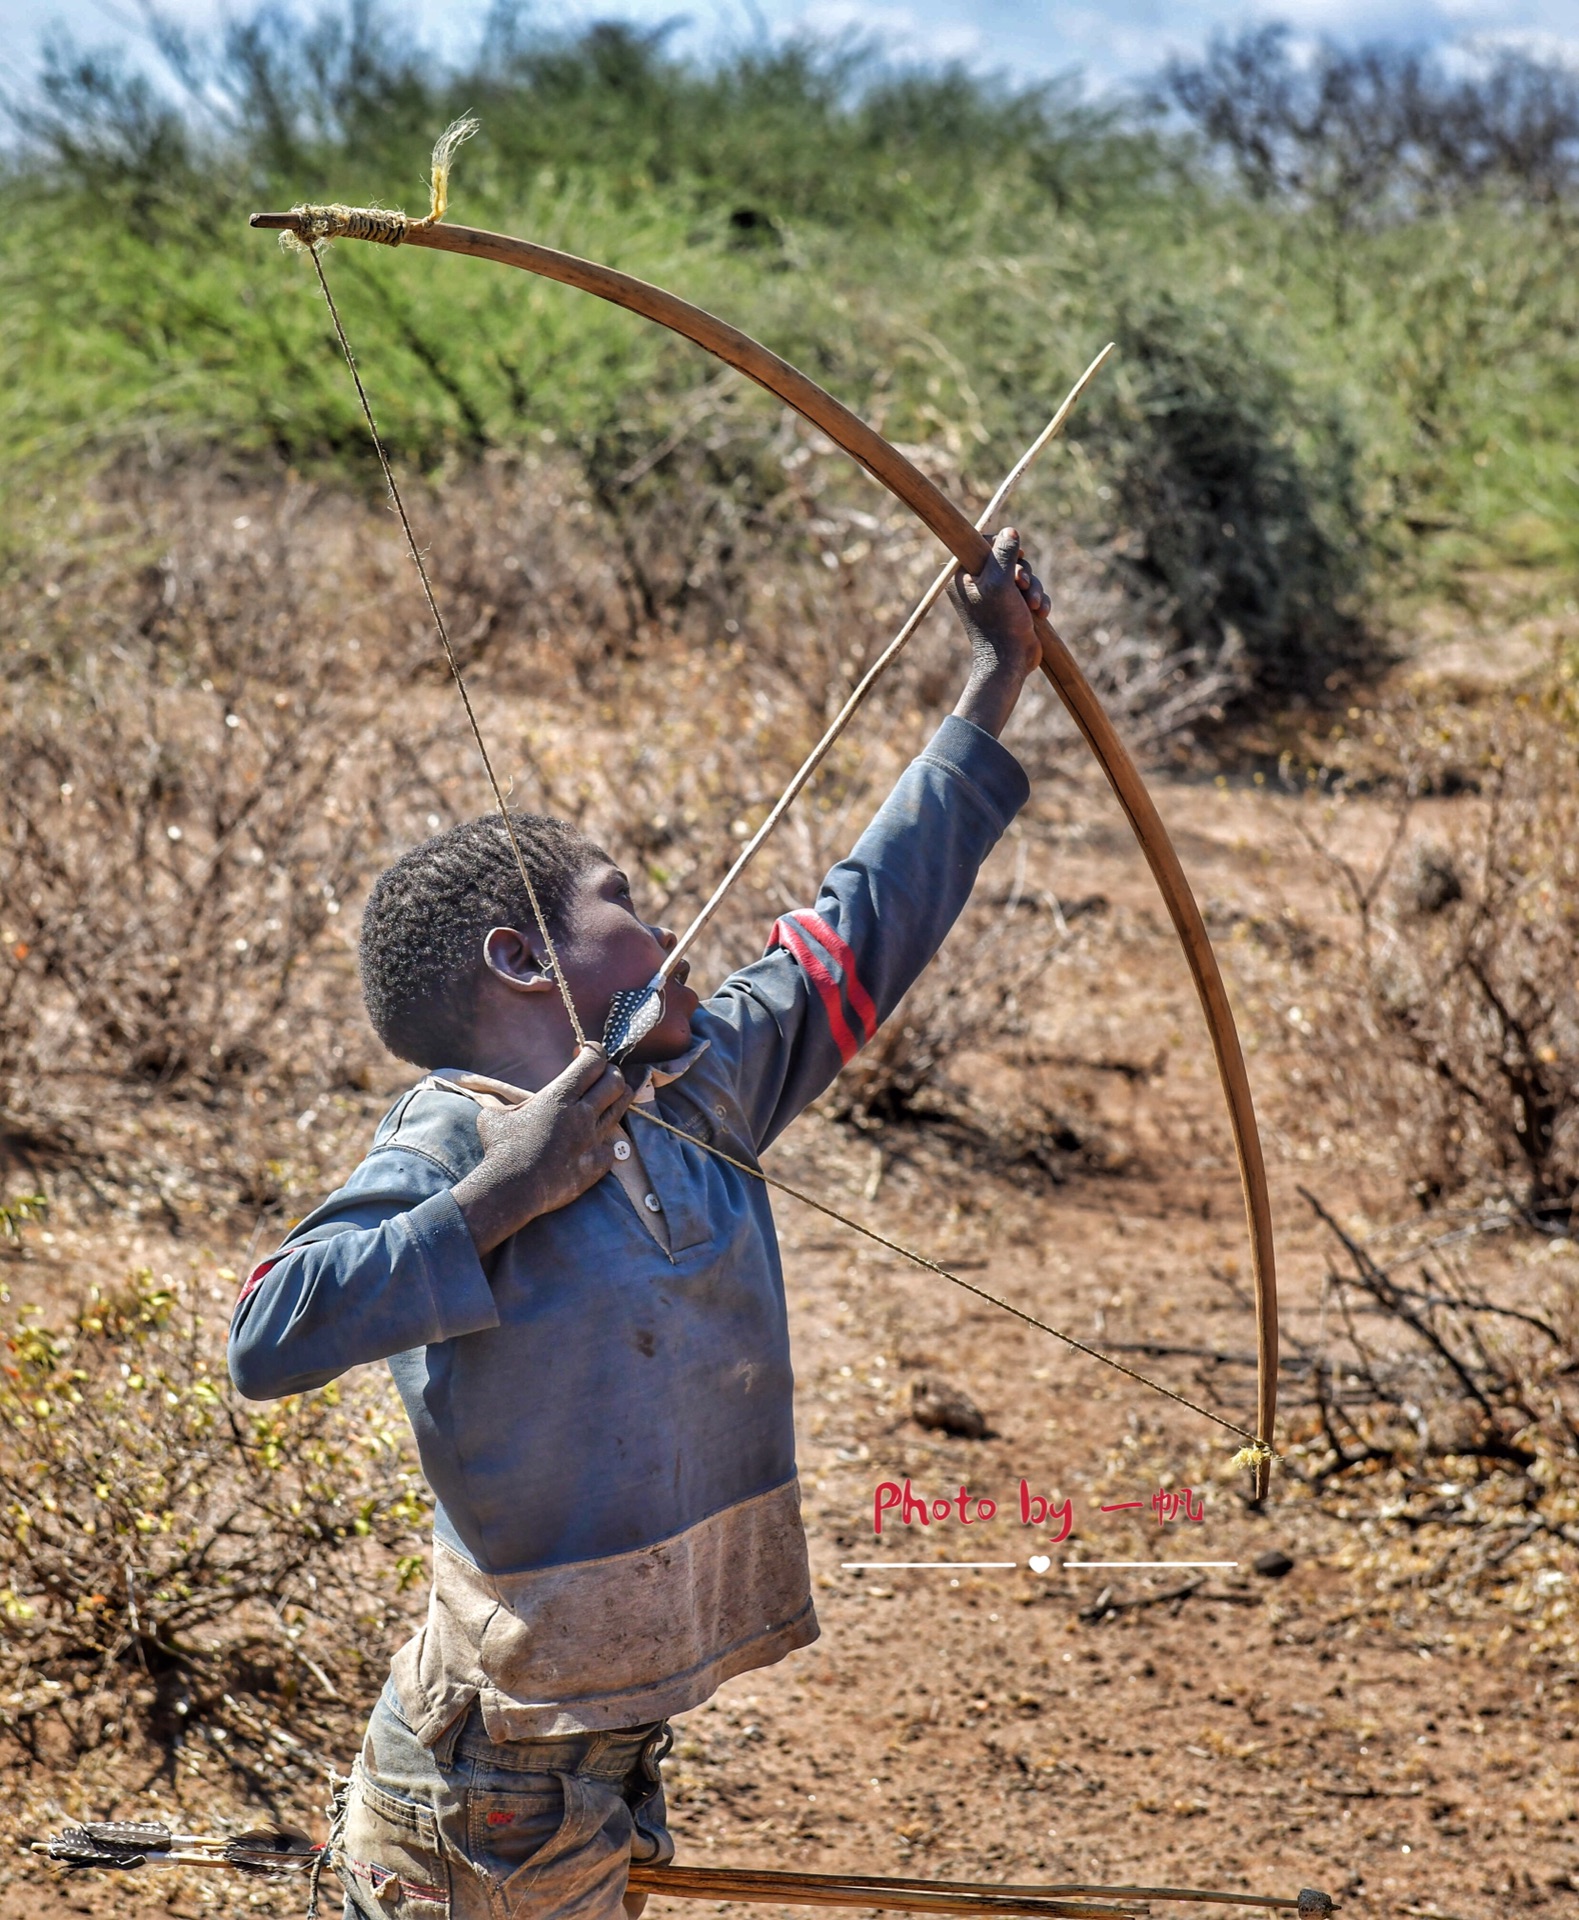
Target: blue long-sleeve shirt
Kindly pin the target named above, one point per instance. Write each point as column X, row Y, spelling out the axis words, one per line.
column 608, row 1427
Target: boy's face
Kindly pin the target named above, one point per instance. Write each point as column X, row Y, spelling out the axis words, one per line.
column 608, row 948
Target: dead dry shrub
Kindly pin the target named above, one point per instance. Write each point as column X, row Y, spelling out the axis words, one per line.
column 1442, row 1413
column 228, row 713
column 170, row 1554
column 1453, row 1370
column 1158, row 689
column 1461, row 1028
column 199, row 778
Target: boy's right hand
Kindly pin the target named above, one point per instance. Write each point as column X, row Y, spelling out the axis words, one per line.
column 546, row 1152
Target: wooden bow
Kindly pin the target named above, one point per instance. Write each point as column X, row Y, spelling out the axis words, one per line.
column 972, row 549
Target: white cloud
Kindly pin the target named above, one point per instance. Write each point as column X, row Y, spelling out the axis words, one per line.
column 1107, row 45
column 1478, row 49
column 899, row 32
column 1113, row 41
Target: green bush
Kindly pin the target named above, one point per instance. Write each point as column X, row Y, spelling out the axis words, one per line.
column 1246, row 515
column 165, row 1546
column 1365, row 405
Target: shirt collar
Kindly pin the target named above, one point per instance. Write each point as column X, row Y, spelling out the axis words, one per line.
column 665, row 1072
column 488, row 1092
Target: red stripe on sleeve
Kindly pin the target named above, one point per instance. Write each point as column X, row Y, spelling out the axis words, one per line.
column 841, row 950
column 255, row 1278
column 787, row 934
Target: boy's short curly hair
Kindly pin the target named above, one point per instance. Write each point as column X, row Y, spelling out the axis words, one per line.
column 427, row 917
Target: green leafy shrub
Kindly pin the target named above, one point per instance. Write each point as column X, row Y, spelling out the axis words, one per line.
column 166, row 1547
column 1242, row 507
column 942, row 251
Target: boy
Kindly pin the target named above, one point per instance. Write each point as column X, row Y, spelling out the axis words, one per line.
column 597, row 1370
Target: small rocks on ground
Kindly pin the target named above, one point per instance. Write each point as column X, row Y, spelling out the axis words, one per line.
column 945, row 1409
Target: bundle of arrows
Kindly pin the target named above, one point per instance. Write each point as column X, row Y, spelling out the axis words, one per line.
column 124, row 1844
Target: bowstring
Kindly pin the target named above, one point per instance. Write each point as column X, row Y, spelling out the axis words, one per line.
column 782, row 1186
column 312, row 250
column 932, row 1266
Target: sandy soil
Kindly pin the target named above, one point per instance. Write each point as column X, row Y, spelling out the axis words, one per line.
column 1257, row 1734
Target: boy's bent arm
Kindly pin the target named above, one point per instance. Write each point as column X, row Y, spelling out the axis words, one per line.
column 383, row 1266
column 834, row 972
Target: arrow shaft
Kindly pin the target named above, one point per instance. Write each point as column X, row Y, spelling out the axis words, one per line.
column 874, row 673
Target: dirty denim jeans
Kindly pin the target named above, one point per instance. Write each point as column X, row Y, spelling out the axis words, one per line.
column 471, row 1829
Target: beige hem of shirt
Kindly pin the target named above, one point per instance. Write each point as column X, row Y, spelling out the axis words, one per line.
column 614, row 1642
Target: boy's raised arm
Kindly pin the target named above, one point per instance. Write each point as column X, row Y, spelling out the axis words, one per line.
column 783, row 1027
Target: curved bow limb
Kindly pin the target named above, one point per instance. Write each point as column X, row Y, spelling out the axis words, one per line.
column 971, row 548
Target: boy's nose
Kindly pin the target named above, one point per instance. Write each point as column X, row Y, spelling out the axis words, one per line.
column 666, row 938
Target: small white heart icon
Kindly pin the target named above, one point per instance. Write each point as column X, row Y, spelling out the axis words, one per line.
column 1039, row 1563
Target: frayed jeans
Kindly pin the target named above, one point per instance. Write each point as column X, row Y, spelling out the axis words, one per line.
column 471, row 1829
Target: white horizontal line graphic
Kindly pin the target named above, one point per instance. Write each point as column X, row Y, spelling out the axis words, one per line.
column 1150, row 1563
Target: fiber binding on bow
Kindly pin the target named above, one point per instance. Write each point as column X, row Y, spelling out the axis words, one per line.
column 314, row 225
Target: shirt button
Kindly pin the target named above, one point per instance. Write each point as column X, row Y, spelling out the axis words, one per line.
column 652, row 1203
column 622, row 1149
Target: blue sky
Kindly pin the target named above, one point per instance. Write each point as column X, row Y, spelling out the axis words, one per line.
column 1111, row 41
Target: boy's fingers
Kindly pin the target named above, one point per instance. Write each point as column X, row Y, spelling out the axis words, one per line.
column 1032, row 588
column 607, row 1091
column 1006, row 546
column 584, row 1070
column 614, row 1111
column 608, row 1126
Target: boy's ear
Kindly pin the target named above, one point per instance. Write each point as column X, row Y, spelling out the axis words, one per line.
column 513, row 958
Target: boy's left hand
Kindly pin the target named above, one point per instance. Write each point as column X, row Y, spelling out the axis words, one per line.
column 996, row 607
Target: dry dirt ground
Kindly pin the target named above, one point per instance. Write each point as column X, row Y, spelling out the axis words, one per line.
column 1257, row 1734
